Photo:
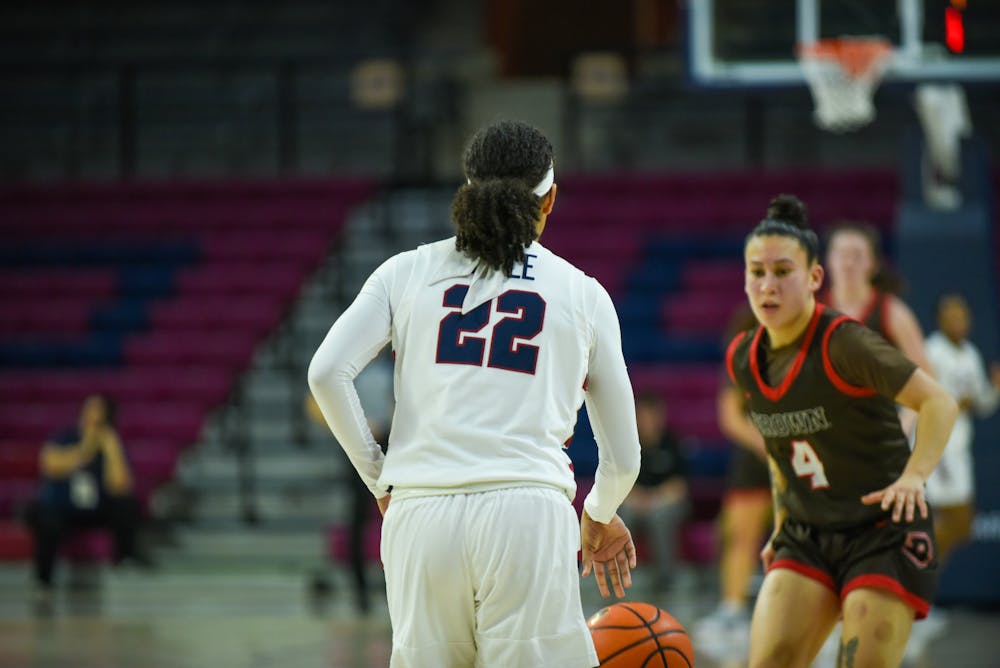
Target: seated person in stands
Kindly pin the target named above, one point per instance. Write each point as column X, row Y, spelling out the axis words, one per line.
column 85, row 482
column 658, row 504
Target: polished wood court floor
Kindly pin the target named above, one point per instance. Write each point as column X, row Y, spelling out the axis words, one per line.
column 221, row 619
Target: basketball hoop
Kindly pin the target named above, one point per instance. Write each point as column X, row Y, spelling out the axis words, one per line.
column 843, row 74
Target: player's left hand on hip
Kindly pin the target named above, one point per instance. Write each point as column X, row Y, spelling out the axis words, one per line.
column 905, row 497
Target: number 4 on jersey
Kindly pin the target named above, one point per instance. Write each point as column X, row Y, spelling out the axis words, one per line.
column 806, row 463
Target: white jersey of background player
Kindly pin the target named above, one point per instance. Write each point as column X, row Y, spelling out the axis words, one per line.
column 498, row 342
column 960, row 369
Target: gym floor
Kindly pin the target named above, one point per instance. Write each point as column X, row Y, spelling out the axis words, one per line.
column 170, row 619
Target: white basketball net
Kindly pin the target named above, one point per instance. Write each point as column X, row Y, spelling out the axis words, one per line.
column 843, row 78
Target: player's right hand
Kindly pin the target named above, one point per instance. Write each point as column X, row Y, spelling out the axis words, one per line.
column 905, row 497
column 767, row 553
column 609, row 552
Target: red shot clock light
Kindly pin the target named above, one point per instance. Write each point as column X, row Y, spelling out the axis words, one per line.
column 954, row 26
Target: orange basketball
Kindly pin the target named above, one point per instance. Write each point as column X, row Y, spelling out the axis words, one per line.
column 640, row 635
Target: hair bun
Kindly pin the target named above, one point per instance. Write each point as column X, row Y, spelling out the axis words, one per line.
column 789, row 209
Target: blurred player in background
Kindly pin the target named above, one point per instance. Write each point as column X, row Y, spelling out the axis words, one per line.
column 659, row 501
column 86, row 482
column 862, row 287
column 852, row 536
column 746, row 510
column 497, row 342
column 962, row 372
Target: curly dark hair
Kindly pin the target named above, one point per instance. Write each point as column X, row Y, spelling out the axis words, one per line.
column 495, row 214
column 787, row 217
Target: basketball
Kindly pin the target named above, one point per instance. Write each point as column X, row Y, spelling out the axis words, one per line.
column 640, row 635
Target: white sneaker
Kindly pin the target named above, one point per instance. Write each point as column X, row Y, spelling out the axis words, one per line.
column 924, row 631
column 725, row 631
column 916, row 646
column 935, row 624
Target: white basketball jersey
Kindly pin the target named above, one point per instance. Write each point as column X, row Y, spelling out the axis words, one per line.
column 961, row 371
column 491, row 395
column 490, row 372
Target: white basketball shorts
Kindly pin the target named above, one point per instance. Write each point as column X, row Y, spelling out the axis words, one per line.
column 485, row 580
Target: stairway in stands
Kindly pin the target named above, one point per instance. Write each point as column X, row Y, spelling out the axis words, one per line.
column 274, row 507
column 158, row 294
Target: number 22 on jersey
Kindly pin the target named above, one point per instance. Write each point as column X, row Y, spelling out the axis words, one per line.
column 807, row 464
column 459, row 342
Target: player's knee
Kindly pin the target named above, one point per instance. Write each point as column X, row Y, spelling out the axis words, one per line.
column 871, row 649
column 780, row 655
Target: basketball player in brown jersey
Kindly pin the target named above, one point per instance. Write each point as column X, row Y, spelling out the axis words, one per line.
column 862, row 287
column 853, row 536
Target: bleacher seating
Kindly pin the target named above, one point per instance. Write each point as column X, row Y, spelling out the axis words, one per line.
column 157, row 294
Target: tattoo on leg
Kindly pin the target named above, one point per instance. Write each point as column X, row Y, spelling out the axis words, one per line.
column 846, row 653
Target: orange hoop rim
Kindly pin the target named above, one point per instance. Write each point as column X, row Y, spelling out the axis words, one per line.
column 856, row 56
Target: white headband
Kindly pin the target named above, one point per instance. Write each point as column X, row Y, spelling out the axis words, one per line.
column 544, row 186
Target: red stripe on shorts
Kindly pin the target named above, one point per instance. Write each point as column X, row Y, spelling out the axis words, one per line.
column 886, row 583
column 802, row 569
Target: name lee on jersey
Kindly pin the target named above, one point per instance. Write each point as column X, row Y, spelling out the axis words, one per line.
column 522, row 270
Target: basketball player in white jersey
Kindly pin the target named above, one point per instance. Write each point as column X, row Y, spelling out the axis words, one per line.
column 497, row 343
column 962, row 372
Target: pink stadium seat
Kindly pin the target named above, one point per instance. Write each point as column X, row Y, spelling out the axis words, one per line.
column 694, row 419
column 701, row 313
column 606, row 241
column 205, row 387
column 178, row 422
column 36, row 422
column 15, row 541
column 609, row 272
column 222, row 349
column 15, row 493
column 19, row 460
column 23, row 315
column 714, row 276
column 677, row 381
column 274, row 245
column 256, row 314
column 36, row 284
column 272, row 278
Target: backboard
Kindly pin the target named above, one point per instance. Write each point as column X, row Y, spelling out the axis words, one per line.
column 749, row 43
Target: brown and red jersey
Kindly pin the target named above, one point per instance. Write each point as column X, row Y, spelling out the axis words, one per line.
column 824, row 405
column 875, row 315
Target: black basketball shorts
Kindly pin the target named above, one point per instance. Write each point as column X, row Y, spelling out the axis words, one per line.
column 896, row 557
